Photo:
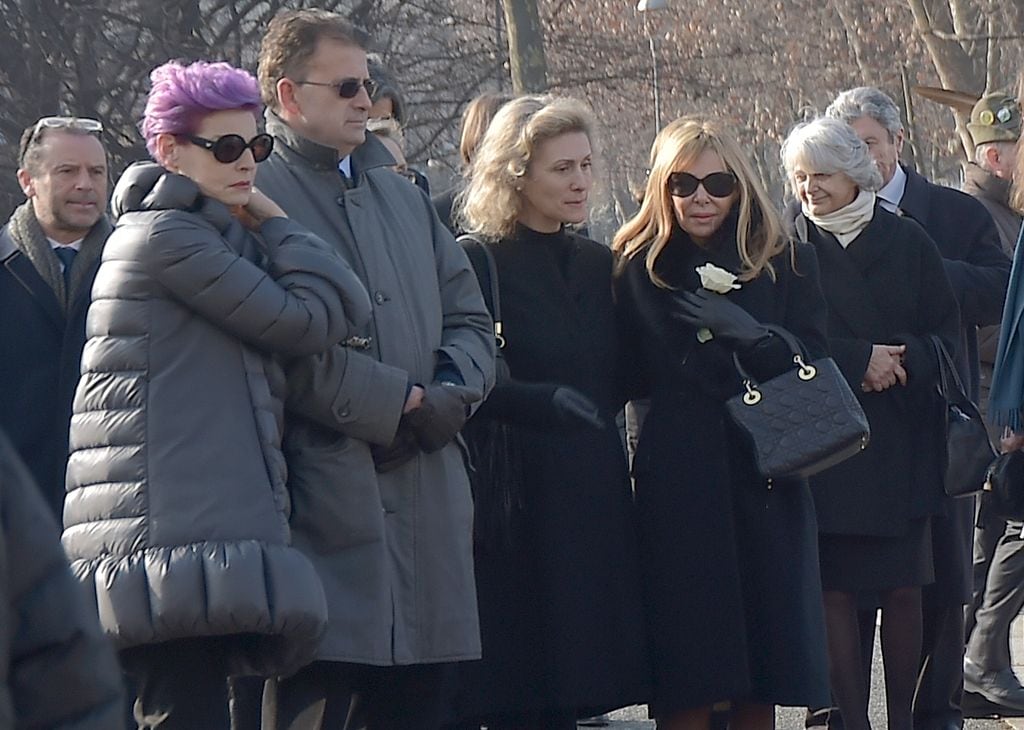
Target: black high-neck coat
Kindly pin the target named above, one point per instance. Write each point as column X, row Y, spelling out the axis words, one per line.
column 560, row 613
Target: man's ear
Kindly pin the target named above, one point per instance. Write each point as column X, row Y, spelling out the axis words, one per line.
column 167, row 151
column 25, row 182
column 287, row 102
column 993, row 156
column 900, row 137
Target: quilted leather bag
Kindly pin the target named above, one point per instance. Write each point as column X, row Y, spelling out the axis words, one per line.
column 800, row 422
column 969, row 451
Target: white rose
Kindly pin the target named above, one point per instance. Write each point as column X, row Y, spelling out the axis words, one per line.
column 716, row 279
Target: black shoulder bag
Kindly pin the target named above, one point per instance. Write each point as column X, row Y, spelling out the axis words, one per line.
column 800, row 422
column 969, row 451
column 494, row 449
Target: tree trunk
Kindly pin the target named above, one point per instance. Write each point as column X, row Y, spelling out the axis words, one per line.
column 939, row 23
column 525, row 46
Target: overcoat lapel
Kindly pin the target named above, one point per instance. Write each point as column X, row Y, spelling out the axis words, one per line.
column 25, row 274
column 914, row 202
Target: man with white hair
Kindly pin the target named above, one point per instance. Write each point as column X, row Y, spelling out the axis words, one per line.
column 978, row 270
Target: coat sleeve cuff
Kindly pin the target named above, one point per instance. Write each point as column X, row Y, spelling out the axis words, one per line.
column 471, row 374
column 369, row 403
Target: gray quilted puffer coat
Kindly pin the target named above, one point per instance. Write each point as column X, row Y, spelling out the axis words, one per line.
column 177, row 513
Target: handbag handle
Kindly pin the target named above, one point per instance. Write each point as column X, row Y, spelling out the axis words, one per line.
column 805, row 371
column 472, row 243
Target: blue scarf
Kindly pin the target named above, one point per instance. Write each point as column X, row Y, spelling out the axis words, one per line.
column 1006, row 399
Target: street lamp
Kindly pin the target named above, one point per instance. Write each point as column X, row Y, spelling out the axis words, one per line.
column 646, row 7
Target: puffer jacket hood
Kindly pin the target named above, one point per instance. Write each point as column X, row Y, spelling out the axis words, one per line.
column 146, row 186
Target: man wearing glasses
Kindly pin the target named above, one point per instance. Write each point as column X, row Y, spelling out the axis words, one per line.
column 380, row 496
column 49, row 251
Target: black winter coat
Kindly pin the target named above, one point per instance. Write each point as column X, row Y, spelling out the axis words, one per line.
column 977, row 268
column 56, row 669
column 39, row 367
column 730, row 562
column 887, row 287
column 560, row 612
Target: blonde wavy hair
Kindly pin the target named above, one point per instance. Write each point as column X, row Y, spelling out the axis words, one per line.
column 759, row 235
column 490, row 204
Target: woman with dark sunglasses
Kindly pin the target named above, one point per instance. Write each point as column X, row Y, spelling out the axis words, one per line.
column 887, row 294
column 177, row 512
column 729, row 559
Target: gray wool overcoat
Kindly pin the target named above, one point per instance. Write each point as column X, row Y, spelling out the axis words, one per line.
column 394, row 550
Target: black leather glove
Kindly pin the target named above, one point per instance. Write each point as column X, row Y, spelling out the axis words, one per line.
column 573, row 408
column 400, row 450
column 441, row 415
column 726, row 320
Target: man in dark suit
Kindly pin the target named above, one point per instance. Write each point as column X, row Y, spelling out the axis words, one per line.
column 978, row 270
column 49, row 251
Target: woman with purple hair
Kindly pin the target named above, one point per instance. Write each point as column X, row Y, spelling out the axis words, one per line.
column 176, row 517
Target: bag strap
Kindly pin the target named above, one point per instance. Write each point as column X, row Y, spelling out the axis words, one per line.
column 794, row 348
column 478, row 252
column 950, row 386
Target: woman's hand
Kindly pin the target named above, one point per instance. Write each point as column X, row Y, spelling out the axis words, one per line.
column 257, row 211
column 726, row 320
column 885, row 368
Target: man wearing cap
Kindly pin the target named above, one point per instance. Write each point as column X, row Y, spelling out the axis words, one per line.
column 49, row 251
column 998, row 545
column 995, row 127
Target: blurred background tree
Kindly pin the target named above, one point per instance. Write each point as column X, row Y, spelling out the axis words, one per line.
column 759, row 65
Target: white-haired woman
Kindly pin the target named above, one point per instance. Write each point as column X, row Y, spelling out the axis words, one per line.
column 887, row 293
column 557, row 571
column 729, row 559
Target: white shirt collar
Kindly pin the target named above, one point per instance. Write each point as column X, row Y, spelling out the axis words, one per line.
column 345, row 165
column 77, row 245
column 892, row 192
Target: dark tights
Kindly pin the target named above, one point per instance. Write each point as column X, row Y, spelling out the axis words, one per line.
column 901, row 654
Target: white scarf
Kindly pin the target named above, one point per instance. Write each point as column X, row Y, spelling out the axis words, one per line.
column 847, row 222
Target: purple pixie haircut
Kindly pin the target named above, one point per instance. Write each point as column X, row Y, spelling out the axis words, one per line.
column 182, row 95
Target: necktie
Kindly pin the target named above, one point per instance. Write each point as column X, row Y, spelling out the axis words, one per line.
column 345, row 179
column 66, row 254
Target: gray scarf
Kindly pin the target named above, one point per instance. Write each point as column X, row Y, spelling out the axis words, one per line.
column 28, row 236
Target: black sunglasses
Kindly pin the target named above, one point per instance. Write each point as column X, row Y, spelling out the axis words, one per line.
column 717, row 184
column 346, row 88
column 230, row 147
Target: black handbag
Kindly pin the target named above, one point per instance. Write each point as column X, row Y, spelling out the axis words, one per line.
column 801, row 422
column 968, row 450
column 493, row 447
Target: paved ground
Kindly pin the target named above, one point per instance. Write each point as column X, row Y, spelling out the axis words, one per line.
column 792, row 718
column 1017, row 652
